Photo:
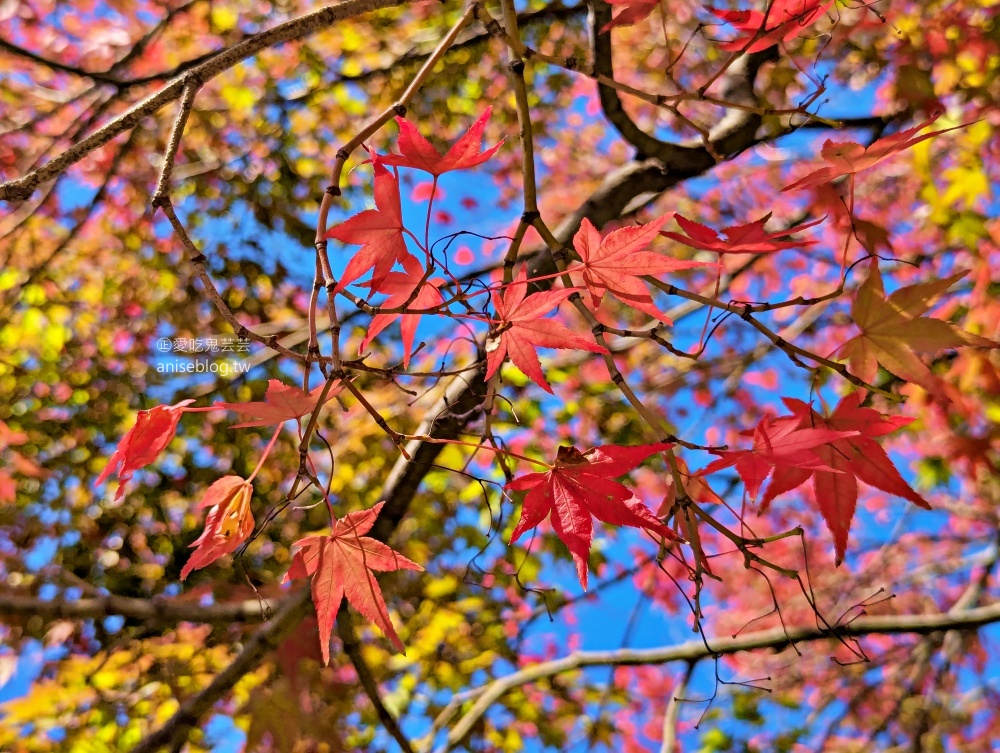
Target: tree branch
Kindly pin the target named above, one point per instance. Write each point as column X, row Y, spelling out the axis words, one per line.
column 544, row 16
column 611, row 103
column 695, row 650
column 353, row 650
column 22, row 188
column 156, row 609
column 260, row 644
column 107, row 77
column 55, row 65
column 672, row 714
column 689, row 158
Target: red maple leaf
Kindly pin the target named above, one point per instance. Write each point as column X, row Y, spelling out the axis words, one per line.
column 399, row 286
column 850, row 459
column 632, row 12
column 228, row 524
column 343, row 564
column 142, row 444
column 782, row 21
column 281, row 403
column 581, row 485
column 379, row 232
column 850, row 158
column 9, row 437
column 8, row 487
column 420, row 154
column 16, row 460
column 518, row 329
column 751, row 238
column 777, row 443
column 615, row 263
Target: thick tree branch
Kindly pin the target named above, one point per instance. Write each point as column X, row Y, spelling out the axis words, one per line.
column 611, row 104
column 725, row 140
column 156, row 609
column 695, row 650
column 260, row 644
column 353, row 650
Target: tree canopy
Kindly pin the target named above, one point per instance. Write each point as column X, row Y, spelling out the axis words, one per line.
column 497, row 376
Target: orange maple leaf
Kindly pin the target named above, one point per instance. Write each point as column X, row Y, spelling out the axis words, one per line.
column 894, row 330
column 849, row 158
column 228, row 524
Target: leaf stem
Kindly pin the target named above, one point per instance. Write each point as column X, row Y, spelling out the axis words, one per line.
column 267, row 451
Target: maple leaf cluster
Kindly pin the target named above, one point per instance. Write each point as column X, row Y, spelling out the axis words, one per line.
column 229, row 521
column 341, row 563
column 381, row 234
column 613, row 264
column 836, row 451
column 653, row 148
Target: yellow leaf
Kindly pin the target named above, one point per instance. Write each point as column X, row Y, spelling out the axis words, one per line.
column 224, row 19
column 894, row 330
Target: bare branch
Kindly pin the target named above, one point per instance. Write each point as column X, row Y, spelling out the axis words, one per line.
column 695, row 650
column 22, row 188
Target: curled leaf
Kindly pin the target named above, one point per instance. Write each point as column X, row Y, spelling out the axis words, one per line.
column 143, row 443
column 228, row 524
